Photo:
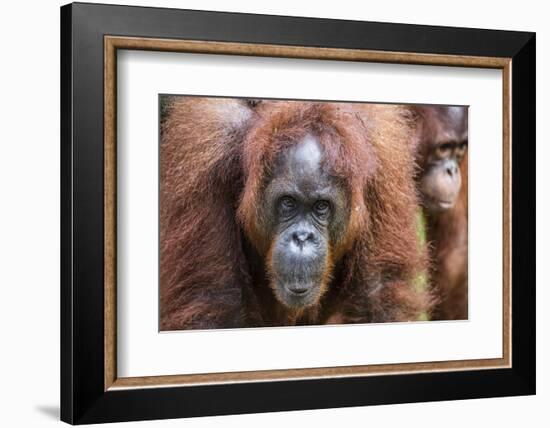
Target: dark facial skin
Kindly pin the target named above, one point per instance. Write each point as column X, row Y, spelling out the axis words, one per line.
column 307, row 212
column 445, row 140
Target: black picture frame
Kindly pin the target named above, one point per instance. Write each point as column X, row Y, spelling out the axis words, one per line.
column 83, row 396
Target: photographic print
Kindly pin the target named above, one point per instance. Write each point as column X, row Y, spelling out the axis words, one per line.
column 299, row 212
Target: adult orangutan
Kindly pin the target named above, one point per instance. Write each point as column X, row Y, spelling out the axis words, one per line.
column 286, row 213
column 443, row 183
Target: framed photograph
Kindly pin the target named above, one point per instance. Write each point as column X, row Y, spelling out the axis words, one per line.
column 266, row 213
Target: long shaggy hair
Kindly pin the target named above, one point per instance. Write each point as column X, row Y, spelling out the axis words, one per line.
column 216, row 158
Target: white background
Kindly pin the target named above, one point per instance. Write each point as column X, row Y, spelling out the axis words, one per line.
column 142, row 351
column 29, row 226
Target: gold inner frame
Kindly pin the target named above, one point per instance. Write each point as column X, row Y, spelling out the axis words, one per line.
column 112, row 43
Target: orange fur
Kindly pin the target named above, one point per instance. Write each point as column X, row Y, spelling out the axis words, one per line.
column 216, row 157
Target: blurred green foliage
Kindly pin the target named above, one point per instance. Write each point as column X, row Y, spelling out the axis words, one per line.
column 421, row 280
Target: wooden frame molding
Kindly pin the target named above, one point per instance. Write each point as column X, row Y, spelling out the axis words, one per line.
column 113, row 43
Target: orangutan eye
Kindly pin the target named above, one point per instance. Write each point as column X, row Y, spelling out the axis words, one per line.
column 322, row 208
column 444, row 150
column 287, row 204
column 461, row 149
